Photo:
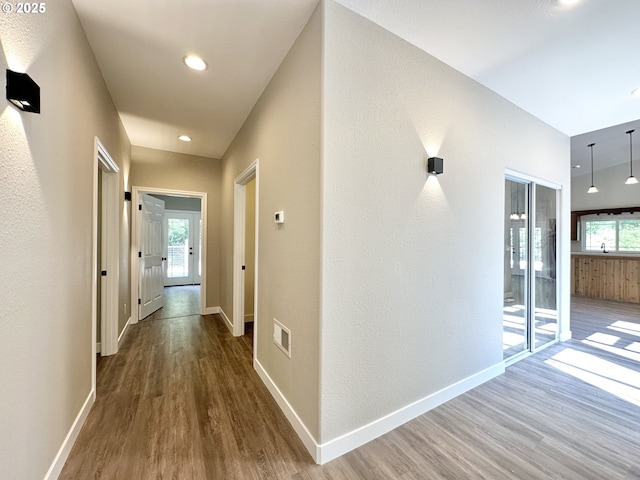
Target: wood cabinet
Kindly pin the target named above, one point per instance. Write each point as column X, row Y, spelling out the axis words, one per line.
column 607, row 277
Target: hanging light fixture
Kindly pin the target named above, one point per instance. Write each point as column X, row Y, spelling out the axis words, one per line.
column 631, row 180
column 523, row 215
column 514, row 213
column 592, row 188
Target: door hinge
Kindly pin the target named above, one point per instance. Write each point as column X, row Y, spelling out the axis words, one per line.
column 103, row 273
column 139, row 254
column 139, row 302
column 140, row 207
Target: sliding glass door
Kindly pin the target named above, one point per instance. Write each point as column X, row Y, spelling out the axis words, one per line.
column 530, row 315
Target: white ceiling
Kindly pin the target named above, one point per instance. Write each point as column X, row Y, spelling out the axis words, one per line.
column 571, row 66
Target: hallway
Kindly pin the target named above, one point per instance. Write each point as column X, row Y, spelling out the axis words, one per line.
column 181, row 400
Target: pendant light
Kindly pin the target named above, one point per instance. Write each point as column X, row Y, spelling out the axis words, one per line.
column 514, row 213
column 592, row 188
column 631, row 180
column 523, row 215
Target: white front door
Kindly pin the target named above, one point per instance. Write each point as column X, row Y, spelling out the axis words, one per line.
column 183, row 245
column 151, row 271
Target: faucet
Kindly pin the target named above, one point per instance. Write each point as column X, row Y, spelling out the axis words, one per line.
column 604, row 248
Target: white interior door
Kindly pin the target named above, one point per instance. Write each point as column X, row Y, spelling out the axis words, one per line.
column 183, row 245
column 151, row 260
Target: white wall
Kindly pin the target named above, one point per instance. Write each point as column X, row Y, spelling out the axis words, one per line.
column 46, row 189
column 412, row 268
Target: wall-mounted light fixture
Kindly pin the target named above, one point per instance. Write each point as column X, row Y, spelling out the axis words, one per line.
column 127, row 196
column 631, row 180
column 435, row 165
column 592, row 188
column 23, row 92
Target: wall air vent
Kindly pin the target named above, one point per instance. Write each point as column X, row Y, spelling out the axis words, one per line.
column 282, row 337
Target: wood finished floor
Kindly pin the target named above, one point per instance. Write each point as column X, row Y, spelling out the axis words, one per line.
column 182, row 401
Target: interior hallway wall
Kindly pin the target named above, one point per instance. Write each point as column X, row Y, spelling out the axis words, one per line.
column 412, row 266
column 176, row 171
column 46, row 218
column 283, row 132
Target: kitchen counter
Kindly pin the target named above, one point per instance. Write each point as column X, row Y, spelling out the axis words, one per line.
column 610, row 276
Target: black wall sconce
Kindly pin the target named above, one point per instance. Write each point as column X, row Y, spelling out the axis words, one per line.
column 23, row 92
column 435, row 165
column 127, row 196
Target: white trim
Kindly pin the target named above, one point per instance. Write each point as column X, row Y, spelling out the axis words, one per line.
column 226, row 319
column 298, row 425
column 239, row 203
column 110, row 240
column 136, row 192
column 564, row 336
column 124, row 332
column 98, row 347
column 248, row 318
column 70, row 439
column 515, row 174
column 356, row 438
column 211, row 310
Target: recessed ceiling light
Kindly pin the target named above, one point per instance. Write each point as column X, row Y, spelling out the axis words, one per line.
column 195, row 63
column 568, row 2
column 636, row 92
column 185, row 138
column 575, row 166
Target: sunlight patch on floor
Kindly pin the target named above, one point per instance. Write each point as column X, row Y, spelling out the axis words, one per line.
column 620, row 381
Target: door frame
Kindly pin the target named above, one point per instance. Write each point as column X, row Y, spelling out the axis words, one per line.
column 562, row 323
column 110, row 253
column 136, row 192
column 239, row 217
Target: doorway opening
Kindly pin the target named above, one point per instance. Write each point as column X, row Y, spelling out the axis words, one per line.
column 531, row 290
column 245, row 255
column 106, row 241
column 148, row 236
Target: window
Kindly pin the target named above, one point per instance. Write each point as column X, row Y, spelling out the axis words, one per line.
column 612, row 234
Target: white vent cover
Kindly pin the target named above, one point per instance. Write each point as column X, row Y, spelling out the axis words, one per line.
column 282, row 337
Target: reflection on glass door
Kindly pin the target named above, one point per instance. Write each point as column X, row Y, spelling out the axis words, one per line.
column 184, row 246
column 515, row 336
column 530, row 314
column 546, row 310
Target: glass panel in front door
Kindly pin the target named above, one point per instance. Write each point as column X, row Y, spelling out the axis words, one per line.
column 178, row 247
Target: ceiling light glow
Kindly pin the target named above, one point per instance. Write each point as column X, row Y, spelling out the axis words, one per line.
column 185, row 138
column 195, row 63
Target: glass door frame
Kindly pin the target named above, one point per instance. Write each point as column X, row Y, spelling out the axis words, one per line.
column 531, row 185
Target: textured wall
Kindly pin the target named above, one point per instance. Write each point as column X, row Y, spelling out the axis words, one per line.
column 283, row 132
column 412, row 268
column 46, row 184
column 176, row 171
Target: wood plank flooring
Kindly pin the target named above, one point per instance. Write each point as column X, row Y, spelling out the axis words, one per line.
column 181, row 400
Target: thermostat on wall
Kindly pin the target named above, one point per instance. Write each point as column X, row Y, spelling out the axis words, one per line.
column 278, row 217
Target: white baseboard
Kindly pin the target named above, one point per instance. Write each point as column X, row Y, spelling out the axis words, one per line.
column 98, row 347
column 70, row 439
column 226, row 319
column 211, row 310
column 356, row 438
column 248, row 318
column 564, row 336
column 341, row 445
column 303, row 433
column 125, row 330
